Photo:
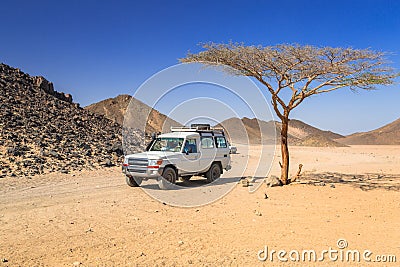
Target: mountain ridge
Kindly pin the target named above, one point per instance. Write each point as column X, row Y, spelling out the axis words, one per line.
column 388, row 134
column 248, row 130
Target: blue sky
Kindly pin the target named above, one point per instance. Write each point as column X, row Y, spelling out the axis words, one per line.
column 99, row 49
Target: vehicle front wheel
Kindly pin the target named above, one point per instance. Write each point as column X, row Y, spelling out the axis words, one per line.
column 213, row 173
column 133, row 182
column 167, row 179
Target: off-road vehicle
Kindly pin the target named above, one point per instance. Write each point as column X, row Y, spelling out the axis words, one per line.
column 198, row 150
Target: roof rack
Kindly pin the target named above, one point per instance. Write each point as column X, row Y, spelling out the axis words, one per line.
column 198, row 128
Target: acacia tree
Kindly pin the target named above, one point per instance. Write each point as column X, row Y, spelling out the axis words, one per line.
column 303, row 70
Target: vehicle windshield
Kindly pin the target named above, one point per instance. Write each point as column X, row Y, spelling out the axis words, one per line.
column 167, row 144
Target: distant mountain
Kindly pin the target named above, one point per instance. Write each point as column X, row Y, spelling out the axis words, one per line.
column 299, row 133
column 300, row 130
column 115, row 110
column 318, row 141
column 386, row 135
column 247, row 130
column 112, row 108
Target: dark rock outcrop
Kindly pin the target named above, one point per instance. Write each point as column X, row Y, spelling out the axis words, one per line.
column 42, row 131
column 41, row 83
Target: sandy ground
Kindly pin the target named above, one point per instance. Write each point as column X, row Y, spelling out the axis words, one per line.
column 95, row 219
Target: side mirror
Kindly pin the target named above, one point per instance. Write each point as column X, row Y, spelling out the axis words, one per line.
column 186, row 151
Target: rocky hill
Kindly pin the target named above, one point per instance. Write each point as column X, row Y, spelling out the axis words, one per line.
column 299, row 133
column 386, row 135
column 111, row 108
column 115, row 110
column 42, row 130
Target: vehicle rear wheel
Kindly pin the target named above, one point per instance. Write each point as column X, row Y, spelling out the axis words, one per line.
column 186, row 177
column 213, row 173
column 167, row 179
column 133, row 182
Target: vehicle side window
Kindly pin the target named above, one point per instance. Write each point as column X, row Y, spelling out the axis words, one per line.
column 207, row 142
column 190, row 146
column 221, row 142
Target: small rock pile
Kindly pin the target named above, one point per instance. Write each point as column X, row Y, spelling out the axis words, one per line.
column 43, row 131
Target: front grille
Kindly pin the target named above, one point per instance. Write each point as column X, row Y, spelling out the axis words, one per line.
column 138, row 162
column 138, row 165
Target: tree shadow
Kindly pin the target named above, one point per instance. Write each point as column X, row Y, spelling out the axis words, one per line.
column 365, row 182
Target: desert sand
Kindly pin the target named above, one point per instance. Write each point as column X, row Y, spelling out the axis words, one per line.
column 95, row 219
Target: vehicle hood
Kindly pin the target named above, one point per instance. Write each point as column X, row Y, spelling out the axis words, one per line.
column 155, row 155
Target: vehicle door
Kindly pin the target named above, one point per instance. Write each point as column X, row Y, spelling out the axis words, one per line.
column 190, row 159
column 208, row 151
column 222, row 154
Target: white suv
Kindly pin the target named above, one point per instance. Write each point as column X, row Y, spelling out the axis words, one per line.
column 186, row 151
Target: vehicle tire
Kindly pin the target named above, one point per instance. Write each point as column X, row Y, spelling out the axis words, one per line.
column 167, row 179
column 213, row 173
column 131, row 181
column 186, row 177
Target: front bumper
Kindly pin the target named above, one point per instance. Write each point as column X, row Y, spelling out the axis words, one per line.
column 142, row 172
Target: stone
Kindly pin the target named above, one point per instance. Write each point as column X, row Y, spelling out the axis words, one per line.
column 108, row 163
column 273, row 181
column 256, row 212
column 15, row 151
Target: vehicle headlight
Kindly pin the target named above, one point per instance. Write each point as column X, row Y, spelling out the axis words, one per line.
column 155, row 163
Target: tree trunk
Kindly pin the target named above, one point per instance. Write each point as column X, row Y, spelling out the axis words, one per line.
column 285, row 152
